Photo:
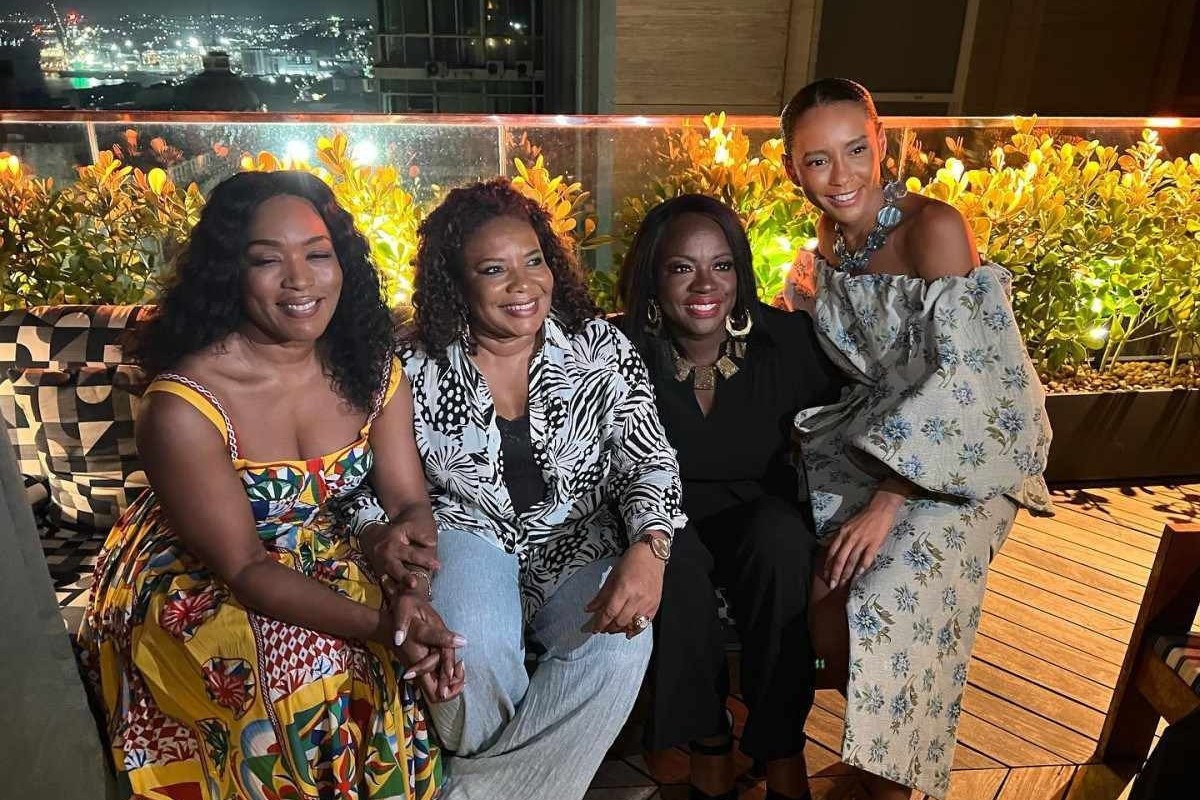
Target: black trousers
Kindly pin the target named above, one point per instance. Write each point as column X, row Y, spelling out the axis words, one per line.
column 761, row 553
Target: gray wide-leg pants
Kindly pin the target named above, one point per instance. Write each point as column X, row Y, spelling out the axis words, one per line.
column 522, row 737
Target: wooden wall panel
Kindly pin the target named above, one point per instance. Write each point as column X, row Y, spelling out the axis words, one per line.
column 676, row 57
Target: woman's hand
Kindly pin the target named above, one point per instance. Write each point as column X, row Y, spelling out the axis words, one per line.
column 426, row 647
column 858, row 540
column 633, row 588
column 392, row 548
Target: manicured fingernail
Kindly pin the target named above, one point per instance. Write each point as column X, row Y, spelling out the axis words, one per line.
column 459, row 641
column 399, row 638
column 408, row 676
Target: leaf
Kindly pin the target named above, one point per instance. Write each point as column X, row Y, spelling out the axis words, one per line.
column 157, row 179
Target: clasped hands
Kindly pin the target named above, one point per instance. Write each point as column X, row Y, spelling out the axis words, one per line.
column 404, row 557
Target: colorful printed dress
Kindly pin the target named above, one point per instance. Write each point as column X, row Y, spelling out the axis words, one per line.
column 942, row 393
column 205, row 699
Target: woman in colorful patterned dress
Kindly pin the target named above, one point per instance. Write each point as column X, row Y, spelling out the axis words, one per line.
column 917, row 472
column 239, row 641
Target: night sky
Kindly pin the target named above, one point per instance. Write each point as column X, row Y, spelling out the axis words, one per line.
column 101, row 9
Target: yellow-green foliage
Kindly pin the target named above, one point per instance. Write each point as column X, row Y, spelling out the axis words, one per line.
column 714, row 158
column 1104, row 246
column 106, row 238
column 383, row 210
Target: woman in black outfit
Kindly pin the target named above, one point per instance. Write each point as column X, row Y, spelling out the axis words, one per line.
column 729, row 374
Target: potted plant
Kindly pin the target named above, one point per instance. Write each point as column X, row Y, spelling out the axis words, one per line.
column 1104, row 247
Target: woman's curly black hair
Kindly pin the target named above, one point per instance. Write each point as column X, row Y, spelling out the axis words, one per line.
column 440, row 312
column 203, row 302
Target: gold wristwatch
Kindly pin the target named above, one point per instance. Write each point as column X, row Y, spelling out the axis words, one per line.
column 658, row 542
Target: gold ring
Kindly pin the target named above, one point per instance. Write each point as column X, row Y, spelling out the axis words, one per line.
column 639, row 622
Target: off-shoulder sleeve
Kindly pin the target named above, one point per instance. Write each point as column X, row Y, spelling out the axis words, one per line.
column 946, row 396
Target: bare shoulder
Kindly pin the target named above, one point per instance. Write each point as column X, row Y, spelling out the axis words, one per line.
column 938, row 243
column 167, row 422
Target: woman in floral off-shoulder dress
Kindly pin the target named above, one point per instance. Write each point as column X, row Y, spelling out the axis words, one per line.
column 917, row 473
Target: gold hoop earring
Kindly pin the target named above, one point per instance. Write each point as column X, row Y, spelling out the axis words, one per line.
column 653, row 317
column 743, row 329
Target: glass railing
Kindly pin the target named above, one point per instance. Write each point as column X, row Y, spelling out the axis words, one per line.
column 1104, row 242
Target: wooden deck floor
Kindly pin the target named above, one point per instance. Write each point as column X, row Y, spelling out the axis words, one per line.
column 1062, row 598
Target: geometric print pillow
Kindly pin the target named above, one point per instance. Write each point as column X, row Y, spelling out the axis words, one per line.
column 57, row 336
column 82, row 426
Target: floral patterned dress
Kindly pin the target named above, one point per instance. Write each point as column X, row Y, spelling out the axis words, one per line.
column 942, row 393
column 205, row 699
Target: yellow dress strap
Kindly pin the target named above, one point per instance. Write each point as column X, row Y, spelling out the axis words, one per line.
column 393, row 375
column 200, row 399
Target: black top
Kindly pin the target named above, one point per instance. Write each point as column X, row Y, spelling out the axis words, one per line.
column 522, row 476
column 741, row 450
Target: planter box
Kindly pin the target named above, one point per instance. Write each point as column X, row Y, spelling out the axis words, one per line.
column 1124, row 436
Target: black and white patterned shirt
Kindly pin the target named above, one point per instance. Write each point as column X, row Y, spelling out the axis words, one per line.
column 608, row 468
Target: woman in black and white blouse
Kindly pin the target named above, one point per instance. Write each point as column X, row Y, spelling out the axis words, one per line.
column 555, row 492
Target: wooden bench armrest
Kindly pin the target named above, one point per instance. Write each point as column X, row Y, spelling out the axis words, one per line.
column 1168, row 607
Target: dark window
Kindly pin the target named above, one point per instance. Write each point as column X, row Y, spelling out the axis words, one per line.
column 416, row 16
column 446, row 50
column 416, row 51
column 469, row 19
column 444, row 17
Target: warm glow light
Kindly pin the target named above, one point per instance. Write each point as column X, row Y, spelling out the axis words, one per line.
column 561, row 119
column 365, row 152
column 641, row 121
column 1098, row 334
column 296, row 150
column 1163, row 122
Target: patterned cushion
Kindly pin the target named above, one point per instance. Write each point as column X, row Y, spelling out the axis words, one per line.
column 72, row 350
column 20, row 430
column 1181, row 654
column 56, row 336
column 82, row 428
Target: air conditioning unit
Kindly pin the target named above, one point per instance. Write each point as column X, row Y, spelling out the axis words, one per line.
column 524, row 69
column 495, row 69
column 436, row 69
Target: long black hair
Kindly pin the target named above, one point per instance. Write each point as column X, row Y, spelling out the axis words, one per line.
column 203, row 303
column 823, row 92
column 637, row 281
column 440, row 311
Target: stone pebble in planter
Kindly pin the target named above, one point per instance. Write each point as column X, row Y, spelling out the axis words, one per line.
column 1124, row 376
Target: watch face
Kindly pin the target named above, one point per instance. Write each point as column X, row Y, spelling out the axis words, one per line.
column 661, row 547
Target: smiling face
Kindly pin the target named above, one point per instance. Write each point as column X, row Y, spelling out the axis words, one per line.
column 509, row 286
column 292, row 279
column 835, row 157
column 695, row 277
